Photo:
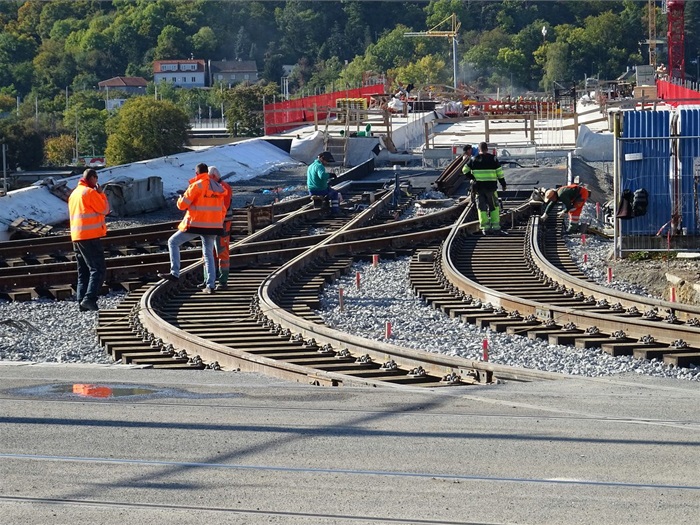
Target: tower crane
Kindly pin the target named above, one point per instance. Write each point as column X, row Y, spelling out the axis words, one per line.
column 651, row 15
column 450, row 33
column 676, row 38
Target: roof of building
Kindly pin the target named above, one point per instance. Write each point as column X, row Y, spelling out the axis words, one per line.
column 158, row 63
column 117, row 82
column 233, row 66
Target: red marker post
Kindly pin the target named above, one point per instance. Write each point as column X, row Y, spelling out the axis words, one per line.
column 583, row 238
column 357, row 280
column 585, row 258
column 485, row 348
column 375, row 260
column 387, row 332
column 673, row 294
column 609, row 275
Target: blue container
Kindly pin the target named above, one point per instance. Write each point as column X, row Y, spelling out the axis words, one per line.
column 645, row 163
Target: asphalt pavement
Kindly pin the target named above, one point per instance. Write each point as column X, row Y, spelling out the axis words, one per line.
column 116, row 445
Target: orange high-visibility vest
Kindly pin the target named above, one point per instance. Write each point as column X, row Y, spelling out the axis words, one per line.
column 87, row 208
column 204, row 202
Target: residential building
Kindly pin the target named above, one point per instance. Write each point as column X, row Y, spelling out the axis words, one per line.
column 231, row 72
column 116, row 88
column 180, row 73
column 130, row 85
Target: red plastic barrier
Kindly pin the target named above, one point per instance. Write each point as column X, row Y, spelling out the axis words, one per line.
column 675, row 95
column 300, row 109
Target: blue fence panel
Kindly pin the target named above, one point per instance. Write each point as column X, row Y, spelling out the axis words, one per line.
column 645, row 162
column 689, row 151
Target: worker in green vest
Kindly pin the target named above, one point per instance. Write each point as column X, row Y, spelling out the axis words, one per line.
column 486, row 173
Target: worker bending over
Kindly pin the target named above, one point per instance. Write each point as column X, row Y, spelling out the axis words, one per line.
column 573, row 197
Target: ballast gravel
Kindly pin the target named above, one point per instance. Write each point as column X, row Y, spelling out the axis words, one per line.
column 47, row 331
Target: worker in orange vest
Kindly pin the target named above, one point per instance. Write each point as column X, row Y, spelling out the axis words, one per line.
column 203, row 203
column 224, row 240
column 87, row 207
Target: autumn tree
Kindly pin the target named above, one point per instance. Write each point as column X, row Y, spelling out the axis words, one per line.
column 59, row 151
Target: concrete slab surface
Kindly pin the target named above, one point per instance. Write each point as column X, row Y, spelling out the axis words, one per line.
column 218, row 447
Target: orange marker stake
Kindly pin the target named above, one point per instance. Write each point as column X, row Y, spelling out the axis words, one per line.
column 387, row 333
column 485, row 347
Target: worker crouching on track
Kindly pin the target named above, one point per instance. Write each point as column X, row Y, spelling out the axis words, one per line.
column 318, row 180
column 203, row 202
column 224, row 240
column 486, row 173
column 87, row 207
column 573, row 197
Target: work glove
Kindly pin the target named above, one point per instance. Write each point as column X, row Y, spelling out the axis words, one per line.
column 561, row 214
column 544, row 217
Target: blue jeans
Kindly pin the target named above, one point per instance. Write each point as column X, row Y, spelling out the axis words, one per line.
column 208, row 242
column 91, row 268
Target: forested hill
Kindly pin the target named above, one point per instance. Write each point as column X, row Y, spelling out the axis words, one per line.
column 46, row 46
column 53, row 54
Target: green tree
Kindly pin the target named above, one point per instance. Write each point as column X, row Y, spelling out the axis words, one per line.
column 172, row 44
column 204, row 42
column 425, row 71
column 25, row 145
column 145, row 128
column 245, row 105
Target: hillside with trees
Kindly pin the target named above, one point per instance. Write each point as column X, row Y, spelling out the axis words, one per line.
column 54, row 53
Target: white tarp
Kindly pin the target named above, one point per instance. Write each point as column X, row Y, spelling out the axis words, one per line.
column 594, row 147
column 240, row 161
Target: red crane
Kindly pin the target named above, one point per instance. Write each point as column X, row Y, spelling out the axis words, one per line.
column 676, row 38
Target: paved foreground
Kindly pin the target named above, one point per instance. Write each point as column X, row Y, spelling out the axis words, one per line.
column 114, row 445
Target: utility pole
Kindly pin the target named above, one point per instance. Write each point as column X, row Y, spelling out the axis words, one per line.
column 4, row 168
column 451, row 33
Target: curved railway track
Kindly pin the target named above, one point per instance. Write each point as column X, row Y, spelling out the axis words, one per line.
column 536, row 290
column 266, row 320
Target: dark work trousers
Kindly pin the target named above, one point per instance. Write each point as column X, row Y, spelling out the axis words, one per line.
column 91, row 268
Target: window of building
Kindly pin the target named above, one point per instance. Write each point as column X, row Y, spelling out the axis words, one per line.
column 194, row 79
column 246, row 77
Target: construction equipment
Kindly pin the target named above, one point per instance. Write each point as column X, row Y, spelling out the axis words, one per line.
column 676, row 38
column 451, row 33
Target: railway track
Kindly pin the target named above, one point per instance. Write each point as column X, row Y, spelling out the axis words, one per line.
column 525, row 283
column 265, row 321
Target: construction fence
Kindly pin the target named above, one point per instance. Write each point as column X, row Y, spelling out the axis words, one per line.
column 659, row 153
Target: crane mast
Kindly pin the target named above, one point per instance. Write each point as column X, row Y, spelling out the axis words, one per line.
column 676, row 38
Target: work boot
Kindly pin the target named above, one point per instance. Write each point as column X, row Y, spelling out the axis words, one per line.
column 221, row 286
column 167, row 277
column 89, row 305
column 208, row 290
column 573, row 228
